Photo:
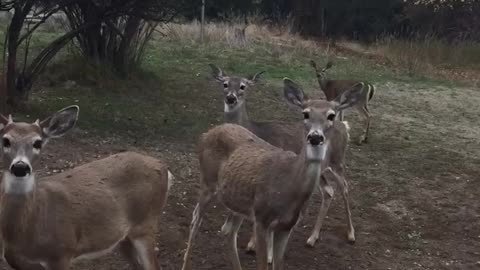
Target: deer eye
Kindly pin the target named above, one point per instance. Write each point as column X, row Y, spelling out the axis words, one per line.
column 242, row 87
column 306, row 115
column 6, row 142
column 331, row 117
column 37, row 144
column 225, row 85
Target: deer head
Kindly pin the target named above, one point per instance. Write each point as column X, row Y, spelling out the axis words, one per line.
column 22, row 143
column 234, row 87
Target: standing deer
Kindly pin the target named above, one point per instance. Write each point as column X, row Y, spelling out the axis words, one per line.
column 334, row 88
column 271, row 186
column 287, row 136
column 81, row 213
column 235, row 88
column 280, row 134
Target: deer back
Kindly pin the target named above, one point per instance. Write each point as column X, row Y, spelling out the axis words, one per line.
column 216, row 145
column 283, row 135
column 334, row 88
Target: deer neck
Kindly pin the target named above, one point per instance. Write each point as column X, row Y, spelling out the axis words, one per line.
column 18, row 208
column 310, row 165
column 323, row 85
column 237, row 115
column 322, row 80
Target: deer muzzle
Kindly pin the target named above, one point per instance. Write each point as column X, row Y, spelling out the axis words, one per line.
column 231, row 100
column 20, row 169
column 315, row 138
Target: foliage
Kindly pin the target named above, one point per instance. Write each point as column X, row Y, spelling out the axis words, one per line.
column 108, row 32
column 359, row 19
column 118, row 30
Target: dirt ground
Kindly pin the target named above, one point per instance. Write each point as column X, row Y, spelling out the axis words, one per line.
column 414, row 191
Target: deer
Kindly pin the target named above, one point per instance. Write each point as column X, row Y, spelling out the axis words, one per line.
column 284, row 135
column 270, row 186
column 235, row 89
column 81, row 213
column 280, row 134
column 334, row 88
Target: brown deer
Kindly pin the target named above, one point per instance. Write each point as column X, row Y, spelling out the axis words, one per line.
column 81, row 213
column 280, row 134
column 235, row 89
column 334, row 88
column 271, row 186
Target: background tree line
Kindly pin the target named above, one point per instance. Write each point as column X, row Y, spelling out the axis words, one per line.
column 359, row 19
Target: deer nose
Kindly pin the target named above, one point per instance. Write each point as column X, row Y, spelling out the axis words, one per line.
column 315, row 139
column 231, row 99
column 20, row 169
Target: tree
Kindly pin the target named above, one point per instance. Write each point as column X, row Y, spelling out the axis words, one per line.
column 345, row 18
column 118, row 30
column 450, row 19
column 107, row 32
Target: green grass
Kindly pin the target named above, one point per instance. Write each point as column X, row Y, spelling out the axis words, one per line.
column 432, row 51
column 173, row 96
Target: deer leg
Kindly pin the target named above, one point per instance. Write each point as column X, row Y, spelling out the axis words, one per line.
column 327, row 194
column 17, row 263
column 343, row 185
column 145, row 250
column 227, row 226
column 270, row 236
column 251, row 243
column 366, row 116
column 126, row 249
column 59, row 264
column 236, row 222
column 279, row 247
column 261, row 244
column 205, row 199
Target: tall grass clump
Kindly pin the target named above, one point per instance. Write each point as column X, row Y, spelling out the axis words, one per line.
column 254, row 36
column 430, row 53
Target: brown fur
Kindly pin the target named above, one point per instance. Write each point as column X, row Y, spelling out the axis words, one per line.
column 280, row 134
column 86, row 209
column 111, row 202
column 268, row 185
column 334, row 88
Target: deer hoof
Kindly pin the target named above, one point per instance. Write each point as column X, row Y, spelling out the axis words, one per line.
column 250, row 248
column 227, row 227
column 351, row 237
column 311, row 241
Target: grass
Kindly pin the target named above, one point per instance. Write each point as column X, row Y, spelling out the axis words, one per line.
column 173, row 95
column 431, row 52
column 416, row 160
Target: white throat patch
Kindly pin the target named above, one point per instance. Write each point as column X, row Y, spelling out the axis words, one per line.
column 18, row 185
column 227, row 108
column 317, row 153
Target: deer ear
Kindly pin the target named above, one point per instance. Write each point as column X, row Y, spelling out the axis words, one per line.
column 4, row 121
column 217, row 73
column 293, row 93
column 255, row 78
column 350, row 97
column 60, row 122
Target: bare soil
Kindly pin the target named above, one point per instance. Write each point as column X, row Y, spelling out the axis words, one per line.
column 415, row 190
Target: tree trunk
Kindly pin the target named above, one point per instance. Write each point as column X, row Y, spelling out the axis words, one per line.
column 14, row 91
column 123, row 56
column 308, row 17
